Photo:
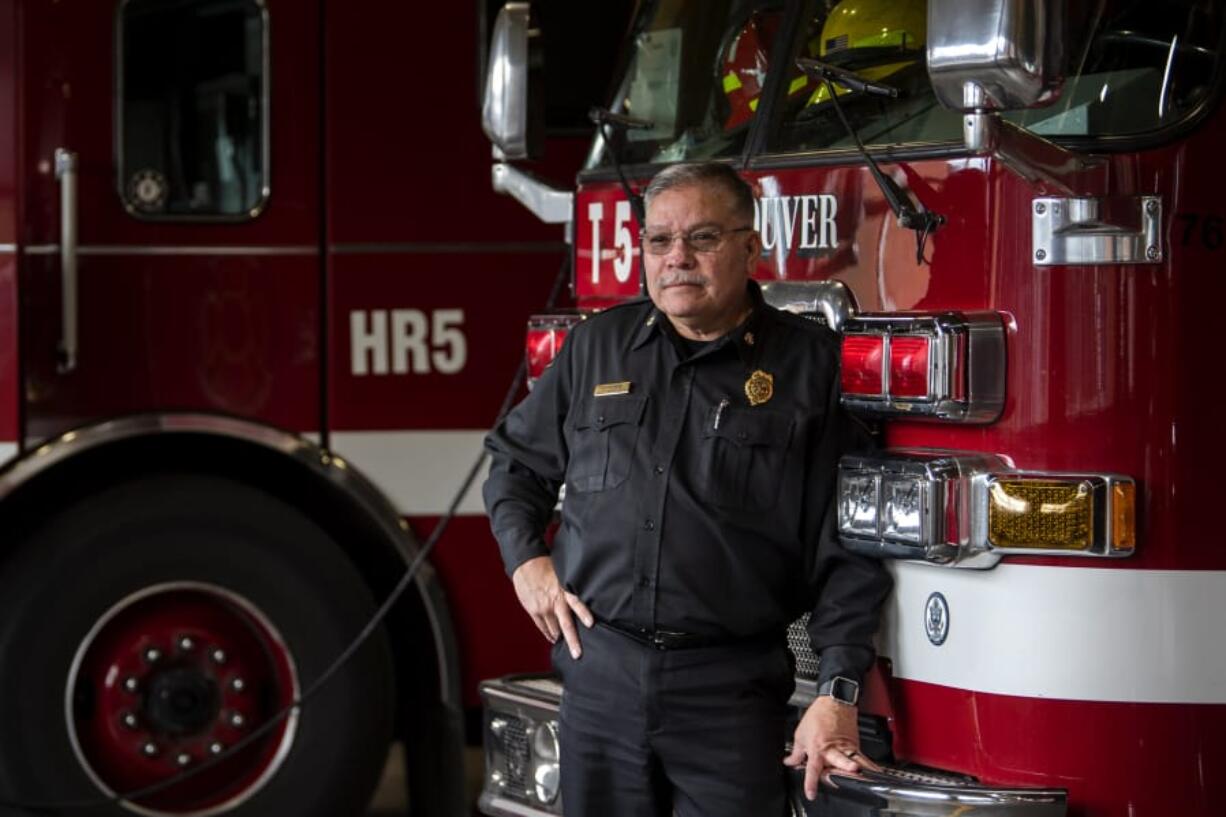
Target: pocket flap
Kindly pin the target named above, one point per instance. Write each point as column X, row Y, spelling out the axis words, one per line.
column 749, row 426
column 605, row 412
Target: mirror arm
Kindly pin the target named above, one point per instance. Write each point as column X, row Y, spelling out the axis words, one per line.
column 1053, row 169
column 1044, row 164
column 547, row 203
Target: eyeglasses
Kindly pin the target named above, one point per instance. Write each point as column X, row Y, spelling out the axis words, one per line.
column 704, row 239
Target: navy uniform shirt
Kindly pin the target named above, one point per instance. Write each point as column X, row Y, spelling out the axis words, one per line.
column 687, row 507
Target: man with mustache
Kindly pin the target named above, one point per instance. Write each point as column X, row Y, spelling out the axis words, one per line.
column 697, row 434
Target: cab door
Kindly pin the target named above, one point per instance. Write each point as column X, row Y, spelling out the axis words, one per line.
column 171, row 241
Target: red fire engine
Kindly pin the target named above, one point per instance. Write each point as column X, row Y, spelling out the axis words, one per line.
column 1027, row 300
column 255, row 303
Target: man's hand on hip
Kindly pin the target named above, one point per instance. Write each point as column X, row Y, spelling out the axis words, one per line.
column 827, row 737
column 553, row 610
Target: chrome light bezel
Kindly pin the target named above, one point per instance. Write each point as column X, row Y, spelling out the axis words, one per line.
column 549, row 322
column 955, row 501
column 545, row 762
column 966, row 366
column 533, row 701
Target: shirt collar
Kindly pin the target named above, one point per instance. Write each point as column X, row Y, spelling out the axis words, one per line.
column 748, row 337
column 648, row 327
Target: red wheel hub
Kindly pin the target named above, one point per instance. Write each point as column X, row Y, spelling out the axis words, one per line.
column 170, row 677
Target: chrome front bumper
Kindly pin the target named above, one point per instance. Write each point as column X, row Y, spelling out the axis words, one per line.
column 516, row 704
column 908, row 793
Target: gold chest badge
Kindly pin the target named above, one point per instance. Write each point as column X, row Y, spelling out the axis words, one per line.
column 760, row 387
column 606, row 389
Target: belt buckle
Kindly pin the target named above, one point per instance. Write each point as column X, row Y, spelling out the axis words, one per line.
column 666, row 639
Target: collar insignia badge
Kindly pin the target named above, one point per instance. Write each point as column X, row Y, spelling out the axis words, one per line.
column 760, row 387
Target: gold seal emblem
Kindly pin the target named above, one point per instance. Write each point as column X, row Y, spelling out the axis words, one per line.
column 760, row 387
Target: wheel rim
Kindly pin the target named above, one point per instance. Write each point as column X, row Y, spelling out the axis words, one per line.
column 171, row 676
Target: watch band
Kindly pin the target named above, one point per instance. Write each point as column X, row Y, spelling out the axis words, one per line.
column 842, row 690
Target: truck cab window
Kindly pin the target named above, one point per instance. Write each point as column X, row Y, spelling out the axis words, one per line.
column 696, row 73
column 193, row 105
column 1133, row 68
column 883, row 42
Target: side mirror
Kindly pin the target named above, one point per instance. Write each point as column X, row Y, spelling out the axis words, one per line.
column 989, row 56
column 512, row 113
column 995, row 54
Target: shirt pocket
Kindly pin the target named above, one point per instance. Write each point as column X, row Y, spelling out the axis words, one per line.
column 744, row 451
column 606, row 430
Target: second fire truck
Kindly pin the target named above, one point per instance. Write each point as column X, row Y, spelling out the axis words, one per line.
column 258, row 307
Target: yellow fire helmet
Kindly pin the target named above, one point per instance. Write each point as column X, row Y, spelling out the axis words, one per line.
column 874, row 38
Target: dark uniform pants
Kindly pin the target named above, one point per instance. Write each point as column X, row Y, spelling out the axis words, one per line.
column 700, row 731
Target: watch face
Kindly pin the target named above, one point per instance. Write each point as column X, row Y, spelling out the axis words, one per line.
column 843, row 690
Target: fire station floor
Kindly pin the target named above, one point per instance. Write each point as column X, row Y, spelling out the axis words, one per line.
column 391, row 798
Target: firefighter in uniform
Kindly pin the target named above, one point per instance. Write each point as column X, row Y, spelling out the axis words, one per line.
column 697, row 434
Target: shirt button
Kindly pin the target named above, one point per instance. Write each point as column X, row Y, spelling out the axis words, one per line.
column 649, row 525
column 600, row 419
column 659, row 469
column 644, row 581
column 741, row 435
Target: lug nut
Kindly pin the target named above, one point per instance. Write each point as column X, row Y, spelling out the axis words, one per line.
column 129, row 720
column 150, row 749
column 152, row 655
column 238, row 684
column 186, row 644
column 183, row 758
column 216, row 748
column 131, row 684
column 218, row 655
column 237, row 720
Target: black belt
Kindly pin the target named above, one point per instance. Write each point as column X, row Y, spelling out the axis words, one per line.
column 678, row 640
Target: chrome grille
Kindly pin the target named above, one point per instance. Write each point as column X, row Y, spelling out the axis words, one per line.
column 514, row 739
column 798, row 643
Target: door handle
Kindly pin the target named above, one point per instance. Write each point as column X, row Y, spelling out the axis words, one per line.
column 66, row 174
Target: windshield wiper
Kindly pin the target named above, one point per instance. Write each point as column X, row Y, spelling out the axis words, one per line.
column 923, row 222
column 620, row 123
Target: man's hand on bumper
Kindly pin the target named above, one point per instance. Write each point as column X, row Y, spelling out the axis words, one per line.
column 553, row 610
column 827, row 737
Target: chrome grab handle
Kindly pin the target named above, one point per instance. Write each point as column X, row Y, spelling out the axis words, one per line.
column 1096, row 231
column 66, row 174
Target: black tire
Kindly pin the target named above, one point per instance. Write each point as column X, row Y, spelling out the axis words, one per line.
column 188, row 528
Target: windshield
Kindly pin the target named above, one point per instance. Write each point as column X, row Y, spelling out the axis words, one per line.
column 1134, row 67
column 697, row 73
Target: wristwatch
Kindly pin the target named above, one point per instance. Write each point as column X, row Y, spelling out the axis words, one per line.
column 842, row 690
